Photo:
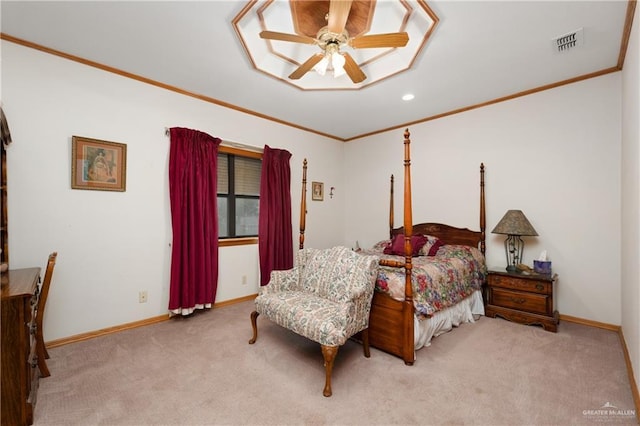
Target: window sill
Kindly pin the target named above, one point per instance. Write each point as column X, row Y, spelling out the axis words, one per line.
column 237, row 241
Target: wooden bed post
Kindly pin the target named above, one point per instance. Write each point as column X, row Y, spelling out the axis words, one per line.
column 403, row 344
column 409, row 350
column 483, row 219
column 408, row 219
column 391, row 220
column 303, row 204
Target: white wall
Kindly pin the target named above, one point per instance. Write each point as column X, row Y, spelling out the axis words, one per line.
column 631, row 198
column 555, row 155
column 111, row 245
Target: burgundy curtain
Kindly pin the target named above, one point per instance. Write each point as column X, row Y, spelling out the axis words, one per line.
column 193, row 160
column 275, row 241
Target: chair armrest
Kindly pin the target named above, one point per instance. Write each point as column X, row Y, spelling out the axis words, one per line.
column 365, row 278
column 357, row 293
column 286, row 280
column 365, row 285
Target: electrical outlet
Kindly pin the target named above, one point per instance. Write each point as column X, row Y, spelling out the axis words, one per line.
column 244, row 280
column 142, row 297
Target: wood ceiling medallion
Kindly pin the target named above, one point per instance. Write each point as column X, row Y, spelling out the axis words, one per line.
column 310, row 15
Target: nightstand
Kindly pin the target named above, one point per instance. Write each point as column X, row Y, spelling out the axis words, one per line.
column 526, row 299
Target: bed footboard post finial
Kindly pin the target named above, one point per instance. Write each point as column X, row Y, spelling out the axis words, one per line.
column 483, row 220
column 303, row 204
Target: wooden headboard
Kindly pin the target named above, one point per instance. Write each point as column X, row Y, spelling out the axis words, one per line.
column 449, row 234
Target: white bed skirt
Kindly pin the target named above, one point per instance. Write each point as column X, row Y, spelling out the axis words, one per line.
column 469, row 310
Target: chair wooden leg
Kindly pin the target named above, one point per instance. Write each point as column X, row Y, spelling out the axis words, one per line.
column 365, row 342
column 254, row 319
column 329, row 354
column 41, row 354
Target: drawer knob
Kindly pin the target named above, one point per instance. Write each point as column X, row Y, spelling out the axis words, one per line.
column 539, row 287
column 518, row 300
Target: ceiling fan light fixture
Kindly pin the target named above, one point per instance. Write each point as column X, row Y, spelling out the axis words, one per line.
column 337, row 61
column 321, row 67
column 331, row 57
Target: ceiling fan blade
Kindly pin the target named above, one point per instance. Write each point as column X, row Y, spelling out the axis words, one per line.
column 338, row 14
column 306, row 66
column 380, row 40
column 352, row 69
column 273, row 35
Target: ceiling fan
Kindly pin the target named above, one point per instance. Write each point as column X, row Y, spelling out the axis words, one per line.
column 331, row 38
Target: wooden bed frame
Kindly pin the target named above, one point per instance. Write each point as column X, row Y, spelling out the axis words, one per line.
column 391, row 324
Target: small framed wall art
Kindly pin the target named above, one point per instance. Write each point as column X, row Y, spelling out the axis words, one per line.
column 317, row 191
column 97, row 164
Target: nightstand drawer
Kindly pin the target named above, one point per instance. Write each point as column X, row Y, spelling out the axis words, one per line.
column 529, row 302
column 513, row 283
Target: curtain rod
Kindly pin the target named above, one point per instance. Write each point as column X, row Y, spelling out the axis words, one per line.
column 228, row 143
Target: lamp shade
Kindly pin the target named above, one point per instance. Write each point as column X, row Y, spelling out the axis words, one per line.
column 514, row 222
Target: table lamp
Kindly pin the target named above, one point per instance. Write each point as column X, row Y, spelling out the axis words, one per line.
column 514, row 224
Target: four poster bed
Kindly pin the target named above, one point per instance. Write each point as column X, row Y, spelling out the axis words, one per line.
column 430, row 279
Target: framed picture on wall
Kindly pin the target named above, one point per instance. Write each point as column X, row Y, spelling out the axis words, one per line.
column 97, row 164
column 317, row 191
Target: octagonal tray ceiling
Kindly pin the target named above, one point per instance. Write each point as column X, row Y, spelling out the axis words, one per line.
column 279, row 58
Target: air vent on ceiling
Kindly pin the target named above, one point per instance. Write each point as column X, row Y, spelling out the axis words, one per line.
column 568, row 41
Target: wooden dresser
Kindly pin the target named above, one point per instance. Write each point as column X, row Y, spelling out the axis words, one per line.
column 19, row 364
column 527, row 299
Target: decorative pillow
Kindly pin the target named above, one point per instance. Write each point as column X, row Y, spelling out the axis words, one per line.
column 431, row 247
column 396, row 246
column 380, row 246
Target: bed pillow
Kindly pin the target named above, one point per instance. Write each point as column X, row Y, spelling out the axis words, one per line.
column 396, row 246
column 380, row 246
column 431, row 246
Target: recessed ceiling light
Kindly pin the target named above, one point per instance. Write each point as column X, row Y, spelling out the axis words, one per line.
column 408, row 97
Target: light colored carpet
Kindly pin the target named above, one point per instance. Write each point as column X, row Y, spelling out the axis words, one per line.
column 201, row 370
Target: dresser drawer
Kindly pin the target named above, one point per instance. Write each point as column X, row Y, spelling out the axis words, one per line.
column 529, row 302
column 513, row 283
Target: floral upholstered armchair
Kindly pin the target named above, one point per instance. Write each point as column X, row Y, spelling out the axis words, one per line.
column 326, row 297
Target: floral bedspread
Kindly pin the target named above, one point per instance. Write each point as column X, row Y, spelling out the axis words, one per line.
column 439, row 282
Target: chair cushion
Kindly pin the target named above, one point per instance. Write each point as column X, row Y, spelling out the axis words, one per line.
column 311, row 316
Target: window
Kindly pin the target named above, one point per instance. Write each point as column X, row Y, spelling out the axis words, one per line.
column 238, row 192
